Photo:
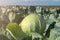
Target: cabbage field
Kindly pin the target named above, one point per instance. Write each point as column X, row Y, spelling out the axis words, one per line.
column 29, row 23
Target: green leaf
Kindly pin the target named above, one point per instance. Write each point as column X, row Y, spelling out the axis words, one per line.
column 52, row 35
column 15, row 31
column 55, row 34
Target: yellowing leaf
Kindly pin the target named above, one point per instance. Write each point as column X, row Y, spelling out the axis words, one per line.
column 15, row 31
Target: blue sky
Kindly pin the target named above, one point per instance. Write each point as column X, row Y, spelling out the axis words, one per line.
column 31, row 2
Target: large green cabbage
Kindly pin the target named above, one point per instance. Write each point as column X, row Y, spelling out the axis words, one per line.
column 33, row 23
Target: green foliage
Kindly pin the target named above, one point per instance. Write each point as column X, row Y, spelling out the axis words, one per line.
column 32, row 24
column 15, row 31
